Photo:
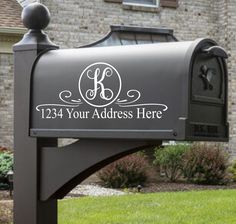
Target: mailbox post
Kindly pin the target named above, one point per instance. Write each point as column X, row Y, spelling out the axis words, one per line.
column 28, row 208
column 98, row 97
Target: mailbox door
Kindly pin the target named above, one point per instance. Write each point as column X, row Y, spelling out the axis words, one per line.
column 208, row 102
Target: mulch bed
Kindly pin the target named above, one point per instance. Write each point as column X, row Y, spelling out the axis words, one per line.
column 5, row 195
column 173, row 187
column 6, row 212
column 6, row 207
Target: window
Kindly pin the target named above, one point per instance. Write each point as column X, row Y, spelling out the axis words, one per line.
column 142, row 2
column 146, row 5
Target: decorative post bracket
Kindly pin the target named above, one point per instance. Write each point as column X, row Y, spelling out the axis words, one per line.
column 63, row 168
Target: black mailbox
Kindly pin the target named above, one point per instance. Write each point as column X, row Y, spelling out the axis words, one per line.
column 164, row 91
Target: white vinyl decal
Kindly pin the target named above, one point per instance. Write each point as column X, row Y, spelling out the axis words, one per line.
column 100, row 86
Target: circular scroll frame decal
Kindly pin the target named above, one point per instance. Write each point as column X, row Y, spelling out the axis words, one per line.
column 85, row 72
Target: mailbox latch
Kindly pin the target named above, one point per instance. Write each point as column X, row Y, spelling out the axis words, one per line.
column 207, row 76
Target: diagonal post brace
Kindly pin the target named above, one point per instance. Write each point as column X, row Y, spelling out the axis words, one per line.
column 61, row 169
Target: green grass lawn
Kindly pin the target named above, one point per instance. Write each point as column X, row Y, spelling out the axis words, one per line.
column 202, row 207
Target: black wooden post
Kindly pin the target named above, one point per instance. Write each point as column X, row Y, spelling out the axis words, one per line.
column 28, row 209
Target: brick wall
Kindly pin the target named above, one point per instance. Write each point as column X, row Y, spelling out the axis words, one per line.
column 6, row 100
column 228, row 34
column 80, row 22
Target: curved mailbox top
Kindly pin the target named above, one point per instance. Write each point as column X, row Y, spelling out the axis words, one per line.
column 134, row 92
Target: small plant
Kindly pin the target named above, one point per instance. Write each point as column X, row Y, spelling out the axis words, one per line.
column 6, row 164
column 205, row 164
column 126, row 172
column 232, row 170
column 170, row 160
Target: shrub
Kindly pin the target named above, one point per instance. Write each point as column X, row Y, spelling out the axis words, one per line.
column 205, row 164
column 170, row 160
column 232, row 170
column 129, row 171
column 6, row 164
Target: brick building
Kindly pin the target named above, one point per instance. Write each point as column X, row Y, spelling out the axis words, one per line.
column 76, row 23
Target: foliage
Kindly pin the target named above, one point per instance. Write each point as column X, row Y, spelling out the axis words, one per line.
column 6, row 164
column 170, row 160
column 232, row 170
column 199, row 207
column 130, row 171
column 205, row 164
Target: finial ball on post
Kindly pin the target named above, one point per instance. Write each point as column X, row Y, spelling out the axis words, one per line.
column 35, row 16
